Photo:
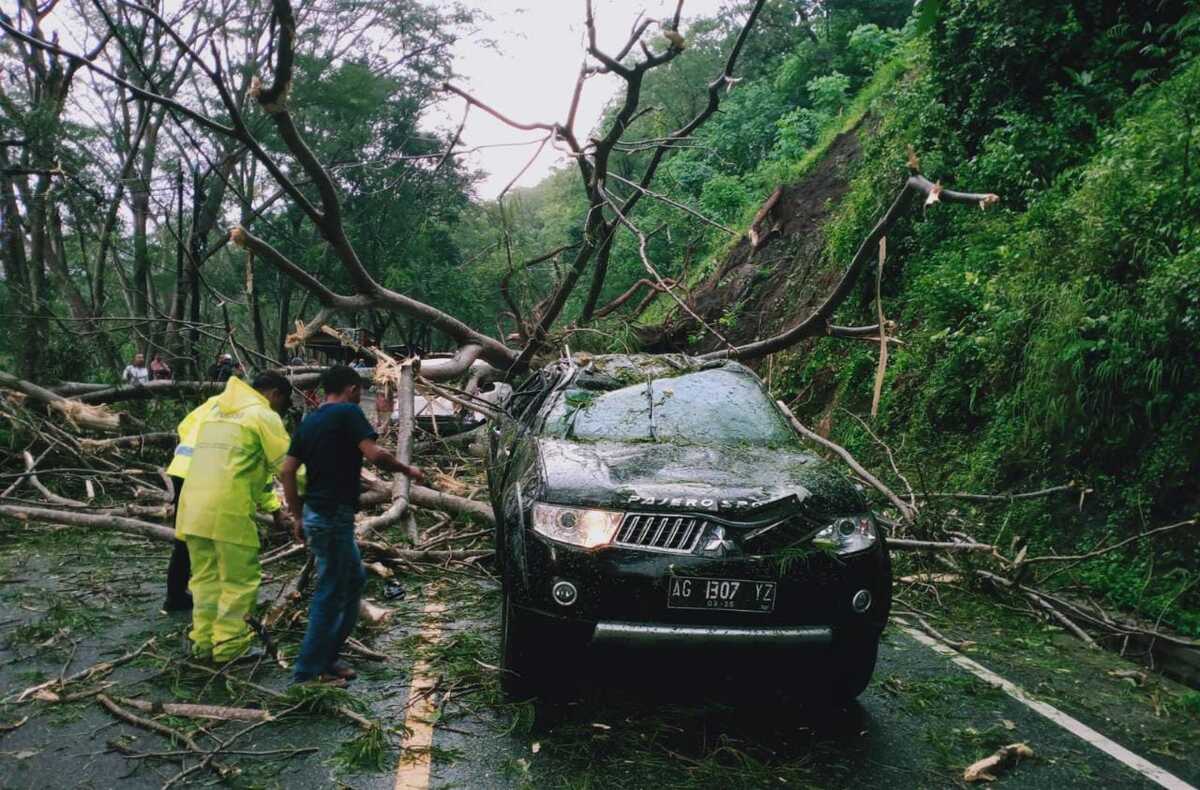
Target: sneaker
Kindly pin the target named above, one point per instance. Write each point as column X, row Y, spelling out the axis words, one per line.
column 340, row 669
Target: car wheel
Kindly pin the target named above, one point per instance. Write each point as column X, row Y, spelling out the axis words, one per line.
column 853, row 663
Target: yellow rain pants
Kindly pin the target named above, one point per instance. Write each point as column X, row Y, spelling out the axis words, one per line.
column 224, row 585
column 239, row 447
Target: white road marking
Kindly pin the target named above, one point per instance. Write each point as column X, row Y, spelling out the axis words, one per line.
column 1068, row 723
column 414, row 774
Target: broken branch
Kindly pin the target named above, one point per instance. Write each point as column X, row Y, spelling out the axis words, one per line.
column 907, row 511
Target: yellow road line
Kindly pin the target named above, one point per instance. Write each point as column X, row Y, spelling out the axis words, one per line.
column 413, row 774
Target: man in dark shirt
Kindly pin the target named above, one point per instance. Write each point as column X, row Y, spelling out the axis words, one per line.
column 332, row 442
column 222, row 369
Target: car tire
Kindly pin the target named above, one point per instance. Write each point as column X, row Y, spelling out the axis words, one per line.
column 852, row 665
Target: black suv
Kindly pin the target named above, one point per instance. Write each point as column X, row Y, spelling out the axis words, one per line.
column 663, row 501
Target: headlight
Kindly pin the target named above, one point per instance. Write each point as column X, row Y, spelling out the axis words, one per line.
column 847, row 535
column 579, row 527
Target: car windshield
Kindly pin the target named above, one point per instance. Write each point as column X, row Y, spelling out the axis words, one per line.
column 715, row 406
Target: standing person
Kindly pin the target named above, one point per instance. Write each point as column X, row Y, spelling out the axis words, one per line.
column 179, row 569
column 239, row 446
column 332, row 442
column 159, row 370
column 222, row 369
column 136, row 372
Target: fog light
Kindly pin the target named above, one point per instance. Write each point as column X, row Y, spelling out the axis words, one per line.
column 565, row 594
column 861, row 601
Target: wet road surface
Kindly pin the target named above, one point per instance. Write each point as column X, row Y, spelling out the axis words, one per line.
column 638, row 721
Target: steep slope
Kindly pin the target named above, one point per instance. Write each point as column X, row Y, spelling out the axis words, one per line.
column 761, row 289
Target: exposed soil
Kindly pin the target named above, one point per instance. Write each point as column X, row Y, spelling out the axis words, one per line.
column 758, row 292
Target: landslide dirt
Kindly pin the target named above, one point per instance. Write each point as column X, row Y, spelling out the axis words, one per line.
column 756, row 293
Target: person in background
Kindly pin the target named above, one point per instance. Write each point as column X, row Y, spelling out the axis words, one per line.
column 222, row 369
column 239, row 447
column 159, row 370
column 332, row 442
column 136, row 372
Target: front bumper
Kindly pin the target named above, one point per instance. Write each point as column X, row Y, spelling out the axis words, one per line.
column 644, row 635
column 622, row 594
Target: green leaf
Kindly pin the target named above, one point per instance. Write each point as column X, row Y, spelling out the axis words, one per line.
column 927, row 14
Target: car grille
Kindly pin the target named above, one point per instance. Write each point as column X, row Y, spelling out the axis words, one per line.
column 676, row 534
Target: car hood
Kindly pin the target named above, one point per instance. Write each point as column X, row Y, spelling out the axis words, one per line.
column 733, row 480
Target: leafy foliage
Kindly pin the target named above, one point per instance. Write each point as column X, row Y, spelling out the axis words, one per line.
column 1047, row 341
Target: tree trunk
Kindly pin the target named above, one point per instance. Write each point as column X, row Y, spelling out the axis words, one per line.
column 285, row 308
column 139, row 200
column 197, row 248
column 37, row 328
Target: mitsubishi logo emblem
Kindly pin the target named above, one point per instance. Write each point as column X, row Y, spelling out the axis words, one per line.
column 717, row 543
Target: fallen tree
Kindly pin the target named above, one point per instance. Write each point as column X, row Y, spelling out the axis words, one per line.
column 74, row 412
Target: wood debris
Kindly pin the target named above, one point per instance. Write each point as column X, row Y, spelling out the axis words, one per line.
column 216, row 712
column 373, row 614
column 1002, row 759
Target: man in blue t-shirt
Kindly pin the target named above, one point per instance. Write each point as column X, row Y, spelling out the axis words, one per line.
column 332, row 442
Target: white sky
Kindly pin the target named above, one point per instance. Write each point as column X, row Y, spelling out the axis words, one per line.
column 531, row 73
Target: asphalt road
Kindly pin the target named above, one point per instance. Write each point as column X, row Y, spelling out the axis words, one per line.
column 642, row 725
column 638, row 721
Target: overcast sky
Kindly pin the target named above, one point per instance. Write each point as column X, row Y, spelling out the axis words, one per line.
column 531, row 73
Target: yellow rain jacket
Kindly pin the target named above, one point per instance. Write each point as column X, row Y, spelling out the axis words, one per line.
column 187, row 430
column 239, row 447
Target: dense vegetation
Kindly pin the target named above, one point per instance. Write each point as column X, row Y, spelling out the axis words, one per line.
column 1055, row 339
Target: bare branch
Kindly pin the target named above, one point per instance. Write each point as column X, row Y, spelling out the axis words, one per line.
column 907, row 511
column 140, row 93
column 662, row 283
column 686, row 209
column 1098, row 552
column 525, row 127
column 633, row 289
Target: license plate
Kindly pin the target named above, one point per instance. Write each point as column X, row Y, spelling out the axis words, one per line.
column 730, row 595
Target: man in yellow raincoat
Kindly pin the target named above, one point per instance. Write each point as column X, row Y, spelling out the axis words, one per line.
column 239, row 447
column 179, row 569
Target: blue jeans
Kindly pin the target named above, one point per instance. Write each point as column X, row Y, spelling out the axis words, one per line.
column 340, row 578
